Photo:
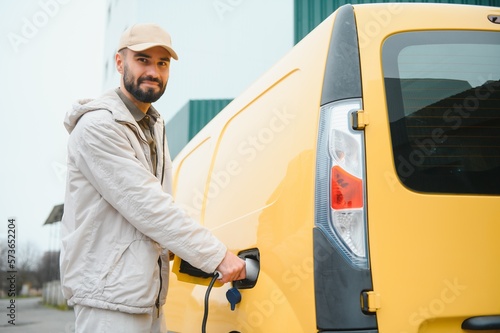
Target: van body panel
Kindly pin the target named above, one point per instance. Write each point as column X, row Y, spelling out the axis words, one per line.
column 258, row 192
column 192, row 173
column 250, row 175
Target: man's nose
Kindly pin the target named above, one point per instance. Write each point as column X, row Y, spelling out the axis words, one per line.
column 152, row 70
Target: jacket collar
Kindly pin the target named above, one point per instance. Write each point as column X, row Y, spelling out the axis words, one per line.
column 134, row 110
column 108, row 101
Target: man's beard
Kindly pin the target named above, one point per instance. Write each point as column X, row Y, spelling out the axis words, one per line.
column 146, row 96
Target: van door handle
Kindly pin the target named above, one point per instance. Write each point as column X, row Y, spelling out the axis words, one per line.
column 481, row 323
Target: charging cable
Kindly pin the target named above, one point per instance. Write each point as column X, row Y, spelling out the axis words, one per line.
column 217, row 275
column 252, row 269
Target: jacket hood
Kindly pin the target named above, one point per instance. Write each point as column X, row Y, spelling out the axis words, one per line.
column 109, row 101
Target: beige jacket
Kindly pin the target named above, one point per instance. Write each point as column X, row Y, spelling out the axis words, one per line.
column 118, row 217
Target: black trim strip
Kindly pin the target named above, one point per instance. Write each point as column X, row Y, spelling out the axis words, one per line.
column 338, row 288
column 342, row 74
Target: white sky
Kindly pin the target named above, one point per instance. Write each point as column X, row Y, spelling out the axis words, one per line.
column 51, row 54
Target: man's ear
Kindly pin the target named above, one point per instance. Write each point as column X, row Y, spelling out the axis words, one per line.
column 119, row 61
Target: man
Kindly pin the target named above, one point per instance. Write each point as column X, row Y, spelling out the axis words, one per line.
column 120, row 222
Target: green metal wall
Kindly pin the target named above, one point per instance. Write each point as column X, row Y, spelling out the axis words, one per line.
column 189, row 120
column 309, row 13
column 202, row 111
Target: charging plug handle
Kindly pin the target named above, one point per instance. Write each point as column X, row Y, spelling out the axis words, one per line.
column 252, row 266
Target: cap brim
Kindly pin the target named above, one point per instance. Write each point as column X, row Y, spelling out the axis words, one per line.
column 145, row 46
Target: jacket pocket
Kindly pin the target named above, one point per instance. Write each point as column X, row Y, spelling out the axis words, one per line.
column 133, row 276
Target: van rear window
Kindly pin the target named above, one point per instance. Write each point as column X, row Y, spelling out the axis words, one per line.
column 443, row 98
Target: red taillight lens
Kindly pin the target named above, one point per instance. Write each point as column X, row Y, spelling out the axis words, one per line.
column 346, row 189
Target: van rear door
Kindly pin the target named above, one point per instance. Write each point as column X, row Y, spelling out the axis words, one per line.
column 432, row 165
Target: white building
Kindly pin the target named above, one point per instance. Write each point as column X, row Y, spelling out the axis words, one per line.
column 223, row 45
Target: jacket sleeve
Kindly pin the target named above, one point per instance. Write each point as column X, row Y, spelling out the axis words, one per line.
column 106, row 158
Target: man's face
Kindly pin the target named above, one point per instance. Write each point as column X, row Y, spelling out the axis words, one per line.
column 145, row 73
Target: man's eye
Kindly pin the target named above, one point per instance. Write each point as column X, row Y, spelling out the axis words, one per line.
column 143, row 60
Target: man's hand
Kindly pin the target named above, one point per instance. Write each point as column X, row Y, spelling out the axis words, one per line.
column 232, row 268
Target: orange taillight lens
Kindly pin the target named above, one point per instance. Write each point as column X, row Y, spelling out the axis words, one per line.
column 346, row 189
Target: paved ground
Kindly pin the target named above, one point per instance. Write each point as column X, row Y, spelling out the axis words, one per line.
column 31, row 316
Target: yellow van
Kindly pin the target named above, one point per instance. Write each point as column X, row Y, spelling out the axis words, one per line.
column 362, row 172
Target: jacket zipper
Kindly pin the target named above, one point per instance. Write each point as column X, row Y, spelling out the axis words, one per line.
column 163, row 153
column 159, row 258
column 159, row 292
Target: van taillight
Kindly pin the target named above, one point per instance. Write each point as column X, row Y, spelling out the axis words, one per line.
column 341, row 153
column 347, row 190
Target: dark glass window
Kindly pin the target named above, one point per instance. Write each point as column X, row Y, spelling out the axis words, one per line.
column 443, row 99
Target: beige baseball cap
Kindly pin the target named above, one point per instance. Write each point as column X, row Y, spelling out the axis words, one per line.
column 142, row 36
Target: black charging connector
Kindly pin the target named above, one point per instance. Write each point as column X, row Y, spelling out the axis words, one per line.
column 189, row 269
